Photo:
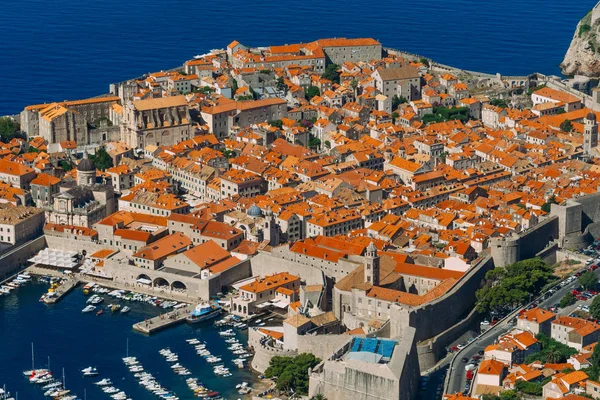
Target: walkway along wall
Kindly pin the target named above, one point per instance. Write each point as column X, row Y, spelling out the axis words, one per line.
column 16, row 259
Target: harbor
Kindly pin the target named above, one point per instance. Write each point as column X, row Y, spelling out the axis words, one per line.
column 162, row 321
column 66, row 338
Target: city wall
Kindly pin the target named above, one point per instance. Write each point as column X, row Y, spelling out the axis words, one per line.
column 432, row 350
column 14, row 260
column 442, row 314
column 265, row 264
column 527, row 244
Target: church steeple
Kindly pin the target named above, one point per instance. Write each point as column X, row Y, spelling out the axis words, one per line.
column 372, row 268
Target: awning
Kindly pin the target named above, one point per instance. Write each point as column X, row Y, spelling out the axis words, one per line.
column 281, row 304
column 263, row 305
column 144, row 281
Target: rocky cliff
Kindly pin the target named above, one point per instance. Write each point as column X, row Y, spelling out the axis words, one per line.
column 583, row 56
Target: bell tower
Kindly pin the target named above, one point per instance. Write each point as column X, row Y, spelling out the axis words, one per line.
column 372, row 269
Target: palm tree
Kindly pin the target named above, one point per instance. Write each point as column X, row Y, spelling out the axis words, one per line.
column 554, row 356
column 319, row 397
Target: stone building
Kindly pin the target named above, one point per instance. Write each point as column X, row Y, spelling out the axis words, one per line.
column 404, row 81
column 369, row 369
column 19, row 224
column 228, row 113
column 66, row 119
column 81, row 203
column 162, row 122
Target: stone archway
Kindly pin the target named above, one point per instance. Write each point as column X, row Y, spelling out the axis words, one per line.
column 145, row 277
column 178, row 286
column 161, row 283
column 150, row 139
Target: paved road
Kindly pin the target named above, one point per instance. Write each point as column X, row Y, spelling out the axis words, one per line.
column 457, row 379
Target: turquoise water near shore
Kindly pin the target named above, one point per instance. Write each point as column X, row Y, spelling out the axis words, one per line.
column 62, row 49
column 74, row 340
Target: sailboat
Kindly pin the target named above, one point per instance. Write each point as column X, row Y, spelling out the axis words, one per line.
column 33, row 371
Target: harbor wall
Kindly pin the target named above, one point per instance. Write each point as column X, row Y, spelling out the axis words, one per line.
column 196, row 288
column 15, row 260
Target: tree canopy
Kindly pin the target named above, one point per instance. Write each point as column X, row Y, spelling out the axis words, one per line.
column 101, row 160
column 588, row 280
column 567, row 300
column 292, row 372
column 547, row 205
column 331, row 73
column 566, row 126
column 396, row 101
column 9, row 129
column 551, row 351
column 311, row 92
column 441, row 114
column 499, row 103
column 595, row 307
column 505, row 288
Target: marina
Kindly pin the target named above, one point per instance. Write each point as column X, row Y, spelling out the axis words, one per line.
column 90, row 347
column 162, row 321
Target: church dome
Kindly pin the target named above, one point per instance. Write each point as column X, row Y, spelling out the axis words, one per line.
column 591, row 116
column 254, row 211
column 85, row 165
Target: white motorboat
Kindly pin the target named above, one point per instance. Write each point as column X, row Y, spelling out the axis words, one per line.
column 88, row 309
column 89, row 371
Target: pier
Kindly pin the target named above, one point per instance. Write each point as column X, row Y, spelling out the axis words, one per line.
column 162, row 321
column 63, row 289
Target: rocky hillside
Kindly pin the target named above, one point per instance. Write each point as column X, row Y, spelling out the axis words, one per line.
column 583, row 56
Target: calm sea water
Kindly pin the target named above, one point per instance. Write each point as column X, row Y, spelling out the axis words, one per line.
column 74, row 340
column 66, row 49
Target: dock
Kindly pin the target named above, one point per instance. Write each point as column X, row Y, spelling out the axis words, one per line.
column 63, row 289
column 162, row 321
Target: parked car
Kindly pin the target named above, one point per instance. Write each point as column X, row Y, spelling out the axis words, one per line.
column 464, row 359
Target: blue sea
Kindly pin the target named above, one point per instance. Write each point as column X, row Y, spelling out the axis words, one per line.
column 73, row 340
column 66, row 49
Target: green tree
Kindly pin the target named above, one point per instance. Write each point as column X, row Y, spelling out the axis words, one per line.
column 354, row 85
column 101, row 160
column 424, row 61
column 311, row 92
column 9, row 129
column 234, row 86
column 499, row 103
column 331, row 73
column 551, row 351
column 505, row 288
column 595, row 308
column 280, row 84
column 530, row 388
column 566, row 126
column 66, row 165
column 588, row 280
column 314, row 142
column 396, row 101
column 548, row 205
column 567, row 300
column 276, row 123
column 292, row 372
column 204, row 90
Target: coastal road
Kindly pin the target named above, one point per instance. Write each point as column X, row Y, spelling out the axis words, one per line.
column 457, row 375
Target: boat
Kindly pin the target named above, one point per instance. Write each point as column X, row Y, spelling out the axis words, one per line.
column 103, row 382
column 115, row 307
column 89, row 371
column 203, row 312
column 125, row 309
column 99, row 312
column 88, row 309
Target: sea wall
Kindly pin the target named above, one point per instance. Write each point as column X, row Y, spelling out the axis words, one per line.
column 15, row 260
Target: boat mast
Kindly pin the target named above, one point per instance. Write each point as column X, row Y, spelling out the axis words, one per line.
column 64, row 386
column 32, row 359
column 127, row 347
